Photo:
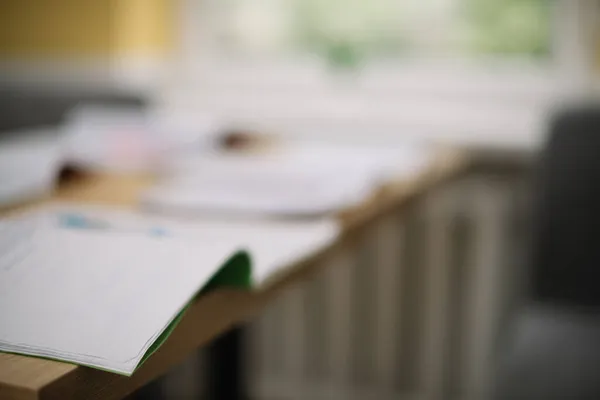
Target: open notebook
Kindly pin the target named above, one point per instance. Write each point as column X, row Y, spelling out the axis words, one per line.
column 104, row 288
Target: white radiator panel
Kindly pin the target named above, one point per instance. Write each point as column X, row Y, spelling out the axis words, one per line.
column 410, row 309
column 401, row 314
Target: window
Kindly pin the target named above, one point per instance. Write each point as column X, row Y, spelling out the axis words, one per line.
column 352, row 32
column 448, row 67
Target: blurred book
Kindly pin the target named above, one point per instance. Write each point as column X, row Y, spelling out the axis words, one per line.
column 116, row 139
column 97, row 139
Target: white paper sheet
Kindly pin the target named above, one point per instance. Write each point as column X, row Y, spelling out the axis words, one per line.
column 303, row 180
column 272, row 245
column 29, row 165
column 92, row 297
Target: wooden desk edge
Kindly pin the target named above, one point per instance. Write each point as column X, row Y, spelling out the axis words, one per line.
column 34, row 378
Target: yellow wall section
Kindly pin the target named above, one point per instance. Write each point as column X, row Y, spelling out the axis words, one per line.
column 85, row 28
column 143, row 26
column 54, row 27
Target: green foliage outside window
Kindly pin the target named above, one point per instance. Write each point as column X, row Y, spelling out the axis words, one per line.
column 348, row 32
column 518, row 27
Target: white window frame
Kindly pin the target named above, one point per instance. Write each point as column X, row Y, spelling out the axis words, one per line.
column 506, row 104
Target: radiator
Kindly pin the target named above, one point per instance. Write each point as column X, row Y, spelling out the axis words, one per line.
column 412, row 309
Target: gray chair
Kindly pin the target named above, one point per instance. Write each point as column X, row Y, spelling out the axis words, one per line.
column 554, row 346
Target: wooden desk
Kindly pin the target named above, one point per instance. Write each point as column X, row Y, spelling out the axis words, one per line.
column 25, row 378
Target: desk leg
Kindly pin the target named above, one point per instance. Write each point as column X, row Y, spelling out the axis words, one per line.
column 225, row 367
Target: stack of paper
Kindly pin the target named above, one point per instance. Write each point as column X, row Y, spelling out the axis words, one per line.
column 273, row 245
column 303, row 180
column 125, row 139
column 29, row 166
column 104, row 288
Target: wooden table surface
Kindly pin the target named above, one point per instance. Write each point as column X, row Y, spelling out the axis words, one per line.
column 25, row 378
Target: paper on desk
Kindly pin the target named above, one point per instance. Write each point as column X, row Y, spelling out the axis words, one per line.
column 29, row 165
column 273, row 245
column 248, row 191
column 304, row 180
column 379, row 163
column 374, row 162
column 126, row 139
column 95, row 298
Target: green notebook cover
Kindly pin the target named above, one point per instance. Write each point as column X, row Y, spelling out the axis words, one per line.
column 235, row 273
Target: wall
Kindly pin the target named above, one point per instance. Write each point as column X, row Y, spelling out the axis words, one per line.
column 35, row 29
column 119, row 43
column 143, row 27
